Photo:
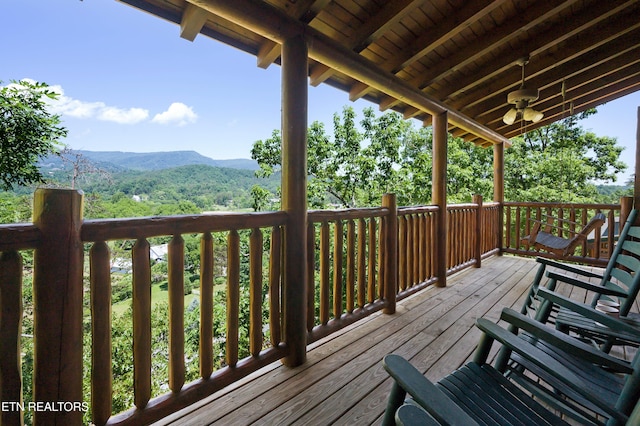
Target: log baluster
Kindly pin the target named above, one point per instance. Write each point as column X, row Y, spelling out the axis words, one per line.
column 101, row 364
column 311, row 275
column 362, row 261
column 141, row 323
column 10, row 332
column 206, row 305
column 371, row 266
column 351, row 259
column 233, row 297
column 275, row 262
column 255, row 292
column 176, row 312
column 324, row 273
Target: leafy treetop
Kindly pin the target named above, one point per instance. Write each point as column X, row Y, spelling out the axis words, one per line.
column 27, row 132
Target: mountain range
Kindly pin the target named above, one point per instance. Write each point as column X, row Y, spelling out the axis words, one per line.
column 142, row 161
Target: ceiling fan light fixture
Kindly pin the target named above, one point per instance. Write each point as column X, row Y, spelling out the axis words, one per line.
column 530, row 114
column 523, row 95
column 520, row 99
column 510, row 117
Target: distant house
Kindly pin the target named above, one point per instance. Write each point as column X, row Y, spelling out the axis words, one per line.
column 156, row 254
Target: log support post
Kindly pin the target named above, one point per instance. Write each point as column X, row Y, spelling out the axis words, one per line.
column 636, row 185
column 477, row 247
column 390, row 253
column 498, row 190
column 439, row 194
column 294, row 196
column 57, row 305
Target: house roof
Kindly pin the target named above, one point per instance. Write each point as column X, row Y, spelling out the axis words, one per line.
column 424, row 57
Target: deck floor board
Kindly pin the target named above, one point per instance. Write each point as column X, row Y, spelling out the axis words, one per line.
column 343, row 382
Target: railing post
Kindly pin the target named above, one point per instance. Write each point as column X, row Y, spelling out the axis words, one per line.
column 57, row 301
column 439, row 194
column 498, row 194
column 294, row 196
column 477, row 199
column 626, row 205
column 391, row 253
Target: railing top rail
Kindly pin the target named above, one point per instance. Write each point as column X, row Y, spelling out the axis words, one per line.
column 146, row 227
column 344, row 214
column 19, row 236
column 463, row 206
column 417, row 209
column 563, row 205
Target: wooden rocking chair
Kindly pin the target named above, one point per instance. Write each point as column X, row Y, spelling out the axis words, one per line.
column 544, row 239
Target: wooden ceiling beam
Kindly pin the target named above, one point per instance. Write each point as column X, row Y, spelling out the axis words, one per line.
column 605, row 94
column 592, row 15
column 358, row 90
column 305, row 11
column 438, row 34
column 387, row 102
column 373, row 28
column 606, row 71
column 501, row 36
column 410, row 112
column 618, row 35
column 604, row 58
column 272, row 23
column 193, row 19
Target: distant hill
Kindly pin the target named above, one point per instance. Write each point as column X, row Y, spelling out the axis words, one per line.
column 164, row 160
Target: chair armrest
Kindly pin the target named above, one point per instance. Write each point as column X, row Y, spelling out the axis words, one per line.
column 544, row 361
column 586, row 285
column 565, row 342
column 568, row 268
column 412, row 415
column 424, row 392
column 589, row 312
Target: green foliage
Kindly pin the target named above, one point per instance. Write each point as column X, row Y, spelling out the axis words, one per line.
column 560, row 163
column 260, row 197
column 27, row 132
column 14, row 208
column 355, row 167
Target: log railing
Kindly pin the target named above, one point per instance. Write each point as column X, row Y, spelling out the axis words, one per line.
column 141, row 230
column 519, row 219
column 344, row 260
column 359, row 261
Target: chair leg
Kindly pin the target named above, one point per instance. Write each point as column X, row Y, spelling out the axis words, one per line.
column 396, row 399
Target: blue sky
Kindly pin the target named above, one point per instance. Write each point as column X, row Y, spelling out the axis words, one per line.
column 130, row 83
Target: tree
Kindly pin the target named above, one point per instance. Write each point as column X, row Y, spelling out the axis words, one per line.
column 386, row 154
column 82, row 167
column 260, row 198
column 560, row 162
column 27, row 132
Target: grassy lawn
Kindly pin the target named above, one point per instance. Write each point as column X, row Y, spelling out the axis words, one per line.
column 157, row 295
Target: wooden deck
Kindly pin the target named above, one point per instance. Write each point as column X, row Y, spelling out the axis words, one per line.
column 343, row 381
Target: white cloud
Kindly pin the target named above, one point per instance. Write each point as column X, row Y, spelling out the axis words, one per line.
column 123, row 116
column 68, row 106
column 178, row 113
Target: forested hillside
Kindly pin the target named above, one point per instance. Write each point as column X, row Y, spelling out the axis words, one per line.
column 112, row 190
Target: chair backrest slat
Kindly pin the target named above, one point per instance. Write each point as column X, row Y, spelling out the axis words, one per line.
column 623, row 276
column 635, row 231
column 629, row 262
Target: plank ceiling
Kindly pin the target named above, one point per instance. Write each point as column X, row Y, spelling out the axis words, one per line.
column 423, row 57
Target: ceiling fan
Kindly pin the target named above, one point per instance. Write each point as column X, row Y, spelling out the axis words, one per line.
column 520, row 99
